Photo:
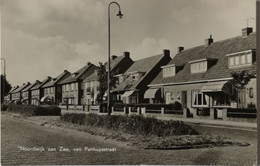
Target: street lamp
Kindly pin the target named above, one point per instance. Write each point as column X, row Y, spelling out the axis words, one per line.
column 4, row 77
column 120, row 15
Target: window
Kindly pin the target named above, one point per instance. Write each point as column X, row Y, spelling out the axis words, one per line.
column 169, row 71
column 67, row 87
column 240, row 59
column 199, row 67
column 76, row 86
column 72, row 86
column 231, row 61
column 199, row 99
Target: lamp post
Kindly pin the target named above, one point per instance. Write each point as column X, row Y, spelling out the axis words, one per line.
column 4, row 77
column 120, row 15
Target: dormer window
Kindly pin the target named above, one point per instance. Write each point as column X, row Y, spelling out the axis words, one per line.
column 201, row 65
column 169, row 70
column 239, row 59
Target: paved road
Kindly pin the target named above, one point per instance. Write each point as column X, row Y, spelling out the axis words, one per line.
column 17, row 133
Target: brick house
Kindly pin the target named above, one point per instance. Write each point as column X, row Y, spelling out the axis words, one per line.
column 198, row 78
column 53, row 90
column 37, row 92
column 17, row 93
column 132, row 84
column 8, row 98
column 72, row 87
column 26, row 94
column 118, row 65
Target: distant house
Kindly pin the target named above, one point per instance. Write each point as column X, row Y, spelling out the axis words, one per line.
column 17, row 93
column 26, row 94
column 37, row 92
column 72, row 87
column 198, row 78
column 8, row 97
column 52, row 89
column 118, row 65
column 132, row 84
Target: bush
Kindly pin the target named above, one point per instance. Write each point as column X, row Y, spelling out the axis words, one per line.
column 4, row 107
column 30, row 110
column 76, row 118
column 131, row 124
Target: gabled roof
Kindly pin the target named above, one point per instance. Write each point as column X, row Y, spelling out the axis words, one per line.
column 30, row 86
column 21, row 87
column 217, row 50
column 13, row 88
column 144, row 66
column 58, row 79
column 76, row 76
column 40, row 84
column 113, row 65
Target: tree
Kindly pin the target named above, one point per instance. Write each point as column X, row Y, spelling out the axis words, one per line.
column 5, row 87
column 102, row 79
column 239, row 81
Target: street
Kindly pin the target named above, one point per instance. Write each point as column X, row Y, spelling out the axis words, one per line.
column 25, row 143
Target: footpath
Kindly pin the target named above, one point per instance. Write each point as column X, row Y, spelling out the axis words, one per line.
column 215, row 123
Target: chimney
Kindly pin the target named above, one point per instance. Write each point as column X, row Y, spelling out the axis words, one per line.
column 88, row 63
column 166, row 52
column 246, row 31
column 113, row 57
column 208, row 41
column 180, row 49
column 49, row 77
column 126, row 54
column 65, row 71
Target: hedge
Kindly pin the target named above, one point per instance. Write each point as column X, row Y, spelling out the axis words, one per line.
column 4, row 107
column 133, row 124
column 30, row 110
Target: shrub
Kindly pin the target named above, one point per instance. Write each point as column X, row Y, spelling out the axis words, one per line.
column 131, row 124
column 30, row 110
column 76, row 118
column 4, row 107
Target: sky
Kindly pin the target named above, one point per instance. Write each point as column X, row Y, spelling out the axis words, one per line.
column 41, row 38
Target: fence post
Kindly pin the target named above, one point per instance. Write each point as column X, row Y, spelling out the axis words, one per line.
column 185, row 112
column 112, row 110
column 224, row 114
column 143, row 110
column 162, row 110
column 124, row 110
column 212, row 113
column 139, row 110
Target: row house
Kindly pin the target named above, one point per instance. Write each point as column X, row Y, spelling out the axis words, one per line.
column 72, row 87
column 37, row 92
column 118, row 65
column 26, row 94
column 17, row 93
column 8, row 97
column 198, row 78
column 53, row 90
column 132, row 84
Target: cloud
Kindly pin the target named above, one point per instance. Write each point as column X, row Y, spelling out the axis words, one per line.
column 149, row 46
column 30, row 57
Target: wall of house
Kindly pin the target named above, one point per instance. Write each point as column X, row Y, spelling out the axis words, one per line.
column 251, row 93
column 50, row 92
column 35, row 97
column 71, row 93
column 16, row 96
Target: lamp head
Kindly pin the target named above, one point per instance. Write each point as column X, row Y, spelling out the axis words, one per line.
column 120, row 15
